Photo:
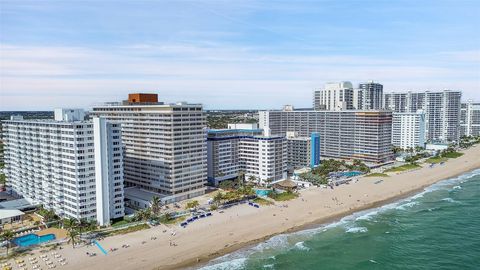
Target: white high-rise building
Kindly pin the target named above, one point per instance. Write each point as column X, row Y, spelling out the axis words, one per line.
column 442, row 111
column 470, row 119
column 53, row 163
column 165, row 147
column 334, row 97
column 408, row 129
column 108, row 170
column 251, row 151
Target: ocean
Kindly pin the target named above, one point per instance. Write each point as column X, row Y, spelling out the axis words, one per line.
column 436, row 229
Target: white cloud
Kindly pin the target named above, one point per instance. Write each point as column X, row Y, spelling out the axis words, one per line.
column 218, row 76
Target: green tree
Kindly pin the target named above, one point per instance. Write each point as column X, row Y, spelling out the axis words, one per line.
column 73, row 235
column 226, row 185
column 155, row 205
column 73, row 229
column 241, row 179
column 218, row 198
column 192, row 204
column 7, row 235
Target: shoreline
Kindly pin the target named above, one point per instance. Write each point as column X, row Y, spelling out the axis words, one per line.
column 310, row 225
column 243, row 226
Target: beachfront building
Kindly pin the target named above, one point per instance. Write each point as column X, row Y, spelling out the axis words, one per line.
column 53, row 163
column 303, row 151
column 335, row 96
column 350, row 134
column 470, row 119
column 408, row 130
column 250, row 151
column 108, row 170
column 165, row 146
column 442, row 111
column 368, row 96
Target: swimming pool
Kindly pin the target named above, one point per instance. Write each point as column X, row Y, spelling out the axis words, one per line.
column 351, row 174
column 32, row 239
column 262, row 192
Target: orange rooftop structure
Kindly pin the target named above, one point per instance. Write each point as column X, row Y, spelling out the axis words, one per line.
column 142, row 98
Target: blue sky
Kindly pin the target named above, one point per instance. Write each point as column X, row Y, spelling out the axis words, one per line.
column 231, row 54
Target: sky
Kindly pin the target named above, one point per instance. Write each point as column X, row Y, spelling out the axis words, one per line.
column 244, row 54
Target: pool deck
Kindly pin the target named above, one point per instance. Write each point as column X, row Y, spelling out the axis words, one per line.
column 59, row 233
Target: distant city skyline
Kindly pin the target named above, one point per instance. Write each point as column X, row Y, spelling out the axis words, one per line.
column 231, row 55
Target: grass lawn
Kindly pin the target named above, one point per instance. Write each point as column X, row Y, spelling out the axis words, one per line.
column 402, row 168
column 135, row 228
column 377, row 175
column 453, row 155
column 262, row 201
column 436, row 160
column 120, row 223
column 285, row 196
column 165, row 220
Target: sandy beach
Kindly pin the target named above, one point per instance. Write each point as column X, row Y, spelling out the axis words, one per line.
column 244, row 225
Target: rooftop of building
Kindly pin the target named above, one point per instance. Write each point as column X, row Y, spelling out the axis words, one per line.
column 142, row 194
column 10, row 213
column 18, row 204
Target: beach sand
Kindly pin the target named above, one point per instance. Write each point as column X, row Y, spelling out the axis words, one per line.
column 244, row 225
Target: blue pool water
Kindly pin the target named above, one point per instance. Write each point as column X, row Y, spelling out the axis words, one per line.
column 262, row 192
column 351, row 174
column 32, row 239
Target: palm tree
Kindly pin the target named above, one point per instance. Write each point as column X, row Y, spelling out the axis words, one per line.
column 193, row 204
column 73, row 235
column 73, row 229
column 218, row 198
column 155, row 205
column 241, row 178
column 7, row 235
column 252, row 178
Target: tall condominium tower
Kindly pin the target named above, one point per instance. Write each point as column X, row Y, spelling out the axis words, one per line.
column 165, row 146
column 334, row 97
column 108, row 170
column 470, row 119
column 364, row 135
column 442, row 111
column 368, row 96
column 408, row 129
column 53, row 163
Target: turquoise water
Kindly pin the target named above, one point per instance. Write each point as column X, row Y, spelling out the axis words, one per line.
column 351, row 174
column 262, row 192
column 32, row 239
column 436, row 229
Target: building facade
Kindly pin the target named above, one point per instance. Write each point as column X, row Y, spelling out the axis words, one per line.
column 364, row 135
column 248, row 151
column 334, row 97
column 368, row 96
column 165, row 145
column 108, row 170
column 408, row 130
column 303, row 151
column 470, row 119
column 442, row 111
column 52, row 163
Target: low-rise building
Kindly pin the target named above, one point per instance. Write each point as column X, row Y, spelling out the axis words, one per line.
column 303, row 151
